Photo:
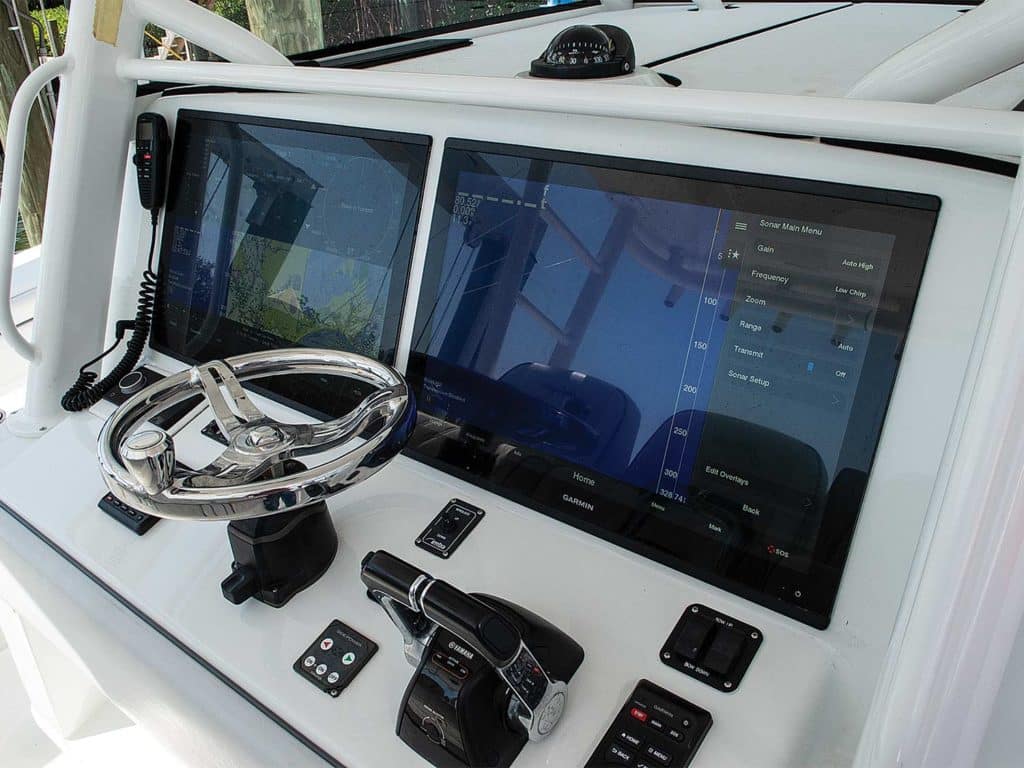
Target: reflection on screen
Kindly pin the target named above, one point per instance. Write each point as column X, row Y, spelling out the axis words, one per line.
column 283, row 234
column 726, row 350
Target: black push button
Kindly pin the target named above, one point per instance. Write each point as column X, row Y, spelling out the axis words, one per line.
column 659, row 755
column 724, row 651
column 630, row 739
column 693, row 635
column 619, row 756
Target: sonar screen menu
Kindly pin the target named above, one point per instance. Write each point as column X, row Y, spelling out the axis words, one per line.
column 283, row 234
column 694, row 364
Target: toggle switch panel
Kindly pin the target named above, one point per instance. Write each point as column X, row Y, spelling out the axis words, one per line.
column 711, row 647
column 450, row 528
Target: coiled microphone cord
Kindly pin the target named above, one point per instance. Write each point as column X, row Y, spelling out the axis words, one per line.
column 86, row 391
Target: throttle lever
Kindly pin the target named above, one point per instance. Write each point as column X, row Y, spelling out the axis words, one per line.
column 405, row 591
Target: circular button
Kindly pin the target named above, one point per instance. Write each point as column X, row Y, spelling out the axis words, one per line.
column 552, row 714
column 434, row 731
column 320, row 669
column 326, row 644
column 348, row 658
column 333, row 678
column 309, row 661
column 132, row 382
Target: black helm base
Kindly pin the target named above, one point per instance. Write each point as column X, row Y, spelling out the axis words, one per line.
column 278, row 556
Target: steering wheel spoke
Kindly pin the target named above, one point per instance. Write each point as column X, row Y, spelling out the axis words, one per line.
column 232, row 467
column 215, row 377
column 316, row 438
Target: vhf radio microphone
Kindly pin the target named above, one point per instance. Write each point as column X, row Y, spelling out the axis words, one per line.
column 152, row 145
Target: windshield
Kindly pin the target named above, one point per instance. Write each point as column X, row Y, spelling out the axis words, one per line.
column 310, row 26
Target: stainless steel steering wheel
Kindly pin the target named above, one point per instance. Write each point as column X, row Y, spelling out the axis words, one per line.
column 250, row 478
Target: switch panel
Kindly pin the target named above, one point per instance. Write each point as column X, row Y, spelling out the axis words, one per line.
column 132, row 519
column 654, row 729
column 137, row 521
column 450, row 528
column 711, row 647
column 335, row 658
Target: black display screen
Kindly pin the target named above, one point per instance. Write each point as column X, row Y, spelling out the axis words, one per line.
column 282, row 234
column 694, row 364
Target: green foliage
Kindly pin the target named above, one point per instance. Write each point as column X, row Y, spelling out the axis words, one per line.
column 59, row 15
column 233, row 10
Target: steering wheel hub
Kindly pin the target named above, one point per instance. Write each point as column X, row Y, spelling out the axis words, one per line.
column 265, row 438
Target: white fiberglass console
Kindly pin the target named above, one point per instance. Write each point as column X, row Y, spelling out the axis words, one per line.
column 683, row 397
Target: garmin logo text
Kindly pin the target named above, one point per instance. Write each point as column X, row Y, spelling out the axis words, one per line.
column 453, row 646
column 578, row 502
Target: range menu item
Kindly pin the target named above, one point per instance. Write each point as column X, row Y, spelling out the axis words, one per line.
column 692, row 363
column 285, row 234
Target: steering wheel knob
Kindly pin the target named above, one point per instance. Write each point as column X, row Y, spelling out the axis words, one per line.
column 149, row 456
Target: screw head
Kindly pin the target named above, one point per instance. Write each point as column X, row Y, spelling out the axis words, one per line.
column 727, row 684
column 754, row 635
column 666, row 655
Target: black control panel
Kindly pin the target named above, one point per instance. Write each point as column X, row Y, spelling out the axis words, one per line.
column 333, row 661
column 132, row 383
column 711, row 647
column 654, row 729
column 131, row 518
column 449, row 529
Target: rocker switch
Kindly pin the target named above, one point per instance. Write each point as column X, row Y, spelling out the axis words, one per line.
column 693, row 636
column 724, row 651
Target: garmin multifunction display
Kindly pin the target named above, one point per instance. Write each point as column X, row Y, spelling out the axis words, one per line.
column 694, row 364
column 284, row 234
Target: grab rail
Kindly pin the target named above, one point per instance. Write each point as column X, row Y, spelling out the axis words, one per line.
column 963, row 129
column 10, row 193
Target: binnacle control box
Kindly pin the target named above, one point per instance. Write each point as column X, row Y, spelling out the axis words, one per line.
column 457, row 710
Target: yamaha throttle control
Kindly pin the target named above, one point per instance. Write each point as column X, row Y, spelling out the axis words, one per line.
column 490, row 675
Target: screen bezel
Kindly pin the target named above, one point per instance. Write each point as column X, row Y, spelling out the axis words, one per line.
column 417, row 178
column 806, row 596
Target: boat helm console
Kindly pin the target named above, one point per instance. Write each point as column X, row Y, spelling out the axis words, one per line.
column 632, row 394
column 691, row 363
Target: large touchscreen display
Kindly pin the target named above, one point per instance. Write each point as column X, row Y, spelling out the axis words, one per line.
column 283, row 234
column 694, row 364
